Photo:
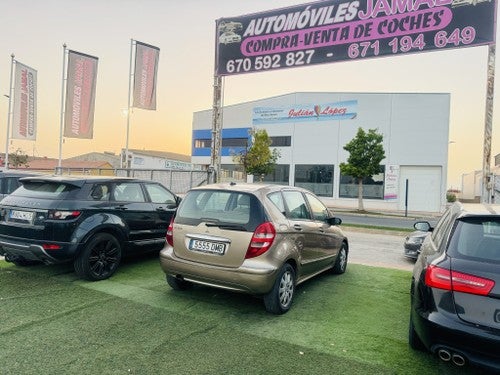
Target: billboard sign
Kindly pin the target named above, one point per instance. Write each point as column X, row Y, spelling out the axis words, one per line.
column 25, row 100
column 345, row 110
column 145, row 73
column 80, row 95
column 333, row 31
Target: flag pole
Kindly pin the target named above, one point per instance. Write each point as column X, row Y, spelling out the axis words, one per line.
column 128, row 104
column 9, row 114
column 59, row 164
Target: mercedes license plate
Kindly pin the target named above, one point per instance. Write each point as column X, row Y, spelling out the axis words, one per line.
column 210, row 247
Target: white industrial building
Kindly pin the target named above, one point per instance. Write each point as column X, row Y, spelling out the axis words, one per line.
column 311, row 129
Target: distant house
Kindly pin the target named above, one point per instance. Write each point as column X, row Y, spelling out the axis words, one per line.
column 109, row 157
column 150, row 159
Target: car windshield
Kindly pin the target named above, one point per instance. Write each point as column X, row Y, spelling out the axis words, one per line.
column 44, row 189
column 477, row 238
column 219, row 207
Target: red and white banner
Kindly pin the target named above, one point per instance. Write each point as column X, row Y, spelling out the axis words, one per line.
column 146, row 67
column 24, row 116
column 80, row 95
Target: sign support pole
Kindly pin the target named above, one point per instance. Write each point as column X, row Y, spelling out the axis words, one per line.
column 59, row 163
column 215, row 156
column 130, row 74
column 488, row 123
column 9, row 114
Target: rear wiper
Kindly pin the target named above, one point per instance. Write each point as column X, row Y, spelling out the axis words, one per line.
column 225, row 225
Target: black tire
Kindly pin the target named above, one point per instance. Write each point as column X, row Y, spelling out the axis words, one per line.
column 413, row 339
column 99, row 259
column 279, row 299
column 178, row 284
column 341, row 263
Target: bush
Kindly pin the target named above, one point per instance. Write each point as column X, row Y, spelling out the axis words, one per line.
column 450, row 197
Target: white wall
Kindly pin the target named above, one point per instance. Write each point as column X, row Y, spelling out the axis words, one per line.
column 414, row 126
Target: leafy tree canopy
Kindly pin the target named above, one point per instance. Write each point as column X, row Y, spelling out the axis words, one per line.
column 365, row 154
column 258, row 159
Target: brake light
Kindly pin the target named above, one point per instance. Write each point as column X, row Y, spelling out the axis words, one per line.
column 50, row 246
column 63, row 215
column 261, row 241
column 441, row 278
column 170, row 233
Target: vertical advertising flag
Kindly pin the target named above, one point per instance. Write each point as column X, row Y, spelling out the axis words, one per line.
column 80, row 96
column 146, row 67
column 24, row 116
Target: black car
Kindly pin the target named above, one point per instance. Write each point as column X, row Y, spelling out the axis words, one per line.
column 9, row 180
column 91, row 221
column 413, row 242
column 455, row 289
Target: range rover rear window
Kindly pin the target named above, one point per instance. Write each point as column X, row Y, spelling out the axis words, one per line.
column 43, row 189
column 227, row 209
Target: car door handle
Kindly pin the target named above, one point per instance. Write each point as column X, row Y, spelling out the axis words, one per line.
column 321, row 230
column 121, row 207
column 161, row 209
column 297, row 227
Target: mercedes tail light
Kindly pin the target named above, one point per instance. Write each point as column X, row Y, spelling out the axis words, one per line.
column 261, row 241
column 170, row 232
column 442, row 278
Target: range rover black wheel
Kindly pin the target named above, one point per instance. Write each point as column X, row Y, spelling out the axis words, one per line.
column 279, row 299
column 100, row 258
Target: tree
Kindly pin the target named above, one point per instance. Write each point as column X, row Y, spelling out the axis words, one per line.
column 257, row 158
column 18, row 158
column 365, row 154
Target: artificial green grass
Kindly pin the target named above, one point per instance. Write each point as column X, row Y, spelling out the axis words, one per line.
column 133, row 323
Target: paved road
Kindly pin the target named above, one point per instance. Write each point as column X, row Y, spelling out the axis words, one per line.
column 378, row 249
column 383, row 221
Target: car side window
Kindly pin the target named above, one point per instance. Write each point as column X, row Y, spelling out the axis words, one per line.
column 277, row 200
column 11, row 184
column 296, row 203
column 128, row 192
column 100, row 192
column 319, row 211
column 159, row 194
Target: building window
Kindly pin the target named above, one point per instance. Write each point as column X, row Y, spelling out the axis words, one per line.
column 373, row 187
column 234, row 142
column 280, row 175
column 202, row 143
column 285, row 141
column 316, row 178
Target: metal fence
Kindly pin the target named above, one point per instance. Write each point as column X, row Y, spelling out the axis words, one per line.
column 178, row 181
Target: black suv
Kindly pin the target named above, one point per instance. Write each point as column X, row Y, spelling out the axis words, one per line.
column 9, row 181
column 91, row 221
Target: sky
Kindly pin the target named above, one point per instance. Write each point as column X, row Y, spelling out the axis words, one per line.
column 35, row 31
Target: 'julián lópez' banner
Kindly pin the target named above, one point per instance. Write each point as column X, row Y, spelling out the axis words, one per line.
column 332, row 31
column 305, row 112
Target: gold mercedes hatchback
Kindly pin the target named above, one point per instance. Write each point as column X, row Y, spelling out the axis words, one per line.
column 252, row 238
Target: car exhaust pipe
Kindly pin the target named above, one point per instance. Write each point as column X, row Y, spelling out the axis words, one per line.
column 444, row 355
column 458, row 359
